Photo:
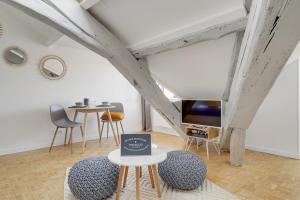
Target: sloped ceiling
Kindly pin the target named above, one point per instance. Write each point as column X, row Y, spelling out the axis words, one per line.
column 138, row 22
column 197, row 71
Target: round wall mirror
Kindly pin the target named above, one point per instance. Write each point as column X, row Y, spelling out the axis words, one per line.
column 15, row 56
column 53, row 67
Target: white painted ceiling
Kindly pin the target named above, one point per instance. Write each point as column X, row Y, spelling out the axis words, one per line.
column 143, row 21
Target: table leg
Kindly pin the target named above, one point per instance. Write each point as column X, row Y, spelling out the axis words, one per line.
column 120, row 181
column 156, row 180
column 112, row 128
column 137, row 182
column 75, row 116
column 84, row 131
column 151, row 176
column 125, row 176
column 99, row 125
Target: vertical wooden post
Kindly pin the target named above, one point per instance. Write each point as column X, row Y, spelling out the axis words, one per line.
column 237, row 146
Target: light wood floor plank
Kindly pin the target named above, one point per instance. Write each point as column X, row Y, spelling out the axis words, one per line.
column 39, row 175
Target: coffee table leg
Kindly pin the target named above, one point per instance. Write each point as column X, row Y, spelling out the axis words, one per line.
column 120, row 182
column 156, row 180
column 151, row 176
column 137, row 182
column 125, row 176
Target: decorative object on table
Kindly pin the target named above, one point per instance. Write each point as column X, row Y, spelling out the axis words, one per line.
column 60, row 119
column 135, row 144
column 106, row 103
column 79, row 104
column 117, row 115
column 209, row 191
column 86, row 101
column 183, row 170
column 53, row 67
column 94, row 178
column 15, row 56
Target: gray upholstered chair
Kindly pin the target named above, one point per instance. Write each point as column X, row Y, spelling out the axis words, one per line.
column 117, row 115
column 60, row 119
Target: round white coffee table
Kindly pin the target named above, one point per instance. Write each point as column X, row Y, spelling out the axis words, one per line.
column 157, row 156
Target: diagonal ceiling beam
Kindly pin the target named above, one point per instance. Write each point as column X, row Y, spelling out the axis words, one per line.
column 86, row 4
column 208, row 33
column 271, row 35
column 72, row 20
column 234, row 58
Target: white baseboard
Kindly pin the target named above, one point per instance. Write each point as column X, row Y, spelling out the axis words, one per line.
column 162, row 129
column 273, row 151
column 41, row 145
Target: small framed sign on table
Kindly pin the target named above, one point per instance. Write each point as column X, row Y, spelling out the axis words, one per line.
column 135, row 144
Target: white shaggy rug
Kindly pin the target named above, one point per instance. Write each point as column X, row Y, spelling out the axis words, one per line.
column 209, row 191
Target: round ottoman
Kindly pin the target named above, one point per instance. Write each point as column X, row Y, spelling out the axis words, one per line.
column 94, row 178
column 183, row 170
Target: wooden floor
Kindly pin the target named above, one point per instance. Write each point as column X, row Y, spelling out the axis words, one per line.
column 39, row 175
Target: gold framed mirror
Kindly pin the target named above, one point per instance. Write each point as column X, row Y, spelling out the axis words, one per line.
column 52, row 67
column 15, row 56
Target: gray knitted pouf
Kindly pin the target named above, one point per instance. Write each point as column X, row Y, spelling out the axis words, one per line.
column 183, row 170
column 94, row 178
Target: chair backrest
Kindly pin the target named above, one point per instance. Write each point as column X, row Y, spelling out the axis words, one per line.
column 118, row 107
column 57, row 114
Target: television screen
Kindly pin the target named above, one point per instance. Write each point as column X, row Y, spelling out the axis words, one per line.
column 202, row 112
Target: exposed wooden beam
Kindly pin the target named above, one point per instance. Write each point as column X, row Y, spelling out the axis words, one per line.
column 208, row 33
column 75, row 22
column 234, row 58
column 271, row 35
column 86, row 4
column 247, row 4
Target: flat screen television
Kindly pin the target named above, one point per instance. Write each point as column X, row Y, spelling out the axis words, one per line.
column 202, row 112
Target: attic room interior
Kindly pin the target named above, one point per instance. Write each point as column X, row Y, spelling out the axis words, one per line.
column 136, row 99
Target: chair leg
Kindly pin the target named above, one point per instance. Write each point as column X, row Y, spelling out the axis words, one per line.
column 107, row 129
column 217, row 147
column 71, row 139
column 56, row 130
column 66, row 135
column 207, row 150
column 81, row 130
column 101, row 131
column 122, row 127
column 117, row 127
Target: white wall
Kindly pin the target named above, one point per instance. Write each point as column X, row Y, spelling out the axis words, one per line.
column 26, row 94
column 275, row 128
column 197, row 71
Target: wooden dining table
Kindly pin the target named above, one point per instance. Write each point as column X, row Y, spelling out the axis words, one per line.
column 95, row 109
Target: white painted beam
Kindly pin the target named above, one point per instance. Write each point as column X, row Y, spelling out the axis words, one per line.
column 247, row 4
column 209, row 33
column 72, row 20
column 86, row 4
column 271, row 35
column 53, row 37
column 233, row 62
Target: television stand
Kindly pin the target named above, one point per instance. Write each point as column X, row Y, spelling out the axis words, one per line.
column 203, row 134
